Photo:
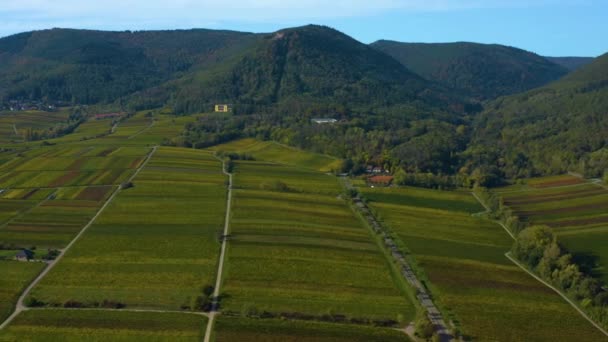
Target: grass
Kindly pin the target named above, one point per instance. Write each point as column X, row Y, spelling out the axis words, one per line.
column 92, row 325
column 274, row 152
column 305, row 253
column 156, row 244
column 261, row 175
column 230, row 329
column 576, row 212
column 21, row 121
column 462, row 256
column 15, row 278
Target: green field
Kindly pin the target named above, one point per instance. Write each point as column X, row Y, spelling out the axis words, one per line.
column 230, row 329
column 305, row 253
column 15, row 277
column 14, row 124
column 463, row 258
column 275, row 152
column 156, row 245
column 576, row 209
column 93, row 325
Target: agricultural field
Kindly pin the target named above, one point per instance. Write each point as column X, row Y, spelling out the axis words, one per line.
column 275, row 152
column 94, row 325
column 576, row 209
column 264, row 175
column 304, row 252
column 54, row 167
column 15, row 277
column 231, row 329
column 13, row 124
column 156, row 244
column 462, row 256
column 52, row 223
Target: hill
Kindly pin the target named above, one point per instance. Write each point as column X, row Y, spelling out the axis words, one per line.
column 571, row 63
column 562, row 126
column 478, row 70
column 311, row 65
column 86, row 67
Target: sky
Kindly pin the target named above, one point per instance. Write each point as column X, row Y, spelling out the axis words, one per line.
column 547, row 27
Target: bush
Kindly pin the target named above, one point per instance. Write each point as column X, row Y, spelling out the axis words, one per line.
column 275, row 186
column 126, row 185
column 32, row 302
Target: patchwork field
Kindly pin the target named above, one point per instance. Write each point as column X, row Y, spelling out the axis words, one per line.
column 463, row 258
column 576, row 209
column 272, row 151
column 14, row 124
column 15, row 277
column 304, row 252
column 69, row 166
column 93, row 325
column 155, row 246
column 230, row 329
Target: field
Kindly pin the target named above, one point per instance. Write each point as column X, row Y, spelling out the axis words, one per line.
column 304, row 252
column 275, row 152
column 93, row 325
column 463, row 258
column 51, row 193
column 576, row 209
column 230, row 329
column 13, row 124
column 15, row 277
column 156, row 244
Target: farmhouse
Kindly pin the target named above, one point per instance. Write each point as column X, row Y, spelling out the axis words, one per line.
column 222, row 108
column 374, row 169
column 24, row 255
column 324, row 120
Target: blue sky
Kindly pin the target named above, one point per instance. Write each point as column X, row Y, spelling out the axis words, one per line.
column 547, row 27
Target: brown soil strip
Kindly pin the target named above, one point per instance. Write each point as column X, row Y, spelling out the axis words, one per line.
column 577, row 209
column 581, row 222
column 561, row 182
column 517, row 200
column 63, row 179
column 93, row 193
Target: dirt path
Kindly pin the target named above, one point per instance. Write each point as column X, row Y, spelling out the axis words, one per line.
column 489, row 211
column 143, row 130
column 20, row 302
column 422, row 294
column 220, row 267
column 508, row 255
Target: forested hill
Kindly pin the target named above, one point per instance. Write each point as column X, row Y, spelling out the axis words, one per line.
column 313, row 66
column 85, row 67
column 559, row 127
column 477, row 70
column 571, row 63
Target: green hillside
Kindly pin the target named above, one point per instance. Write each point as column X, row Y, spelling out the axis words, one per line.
column 571, row 63
column 477, row 70
column 304, row 66
column 552, row 129
column 86, row 67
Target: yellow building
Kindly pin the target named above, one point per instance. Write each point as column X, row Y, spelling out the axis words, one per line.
column 222, row 108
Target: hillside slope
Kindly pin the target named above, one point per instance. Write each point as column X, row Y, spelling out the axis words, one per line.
column 477, row 70
column 559, row 127
column 571, row 63
column 86, row 67
column 312, row 65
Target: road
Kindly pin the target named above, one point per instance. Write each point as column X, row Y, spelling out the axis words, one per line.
column 20, row 307
column 423, row 296
column 220, row 267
